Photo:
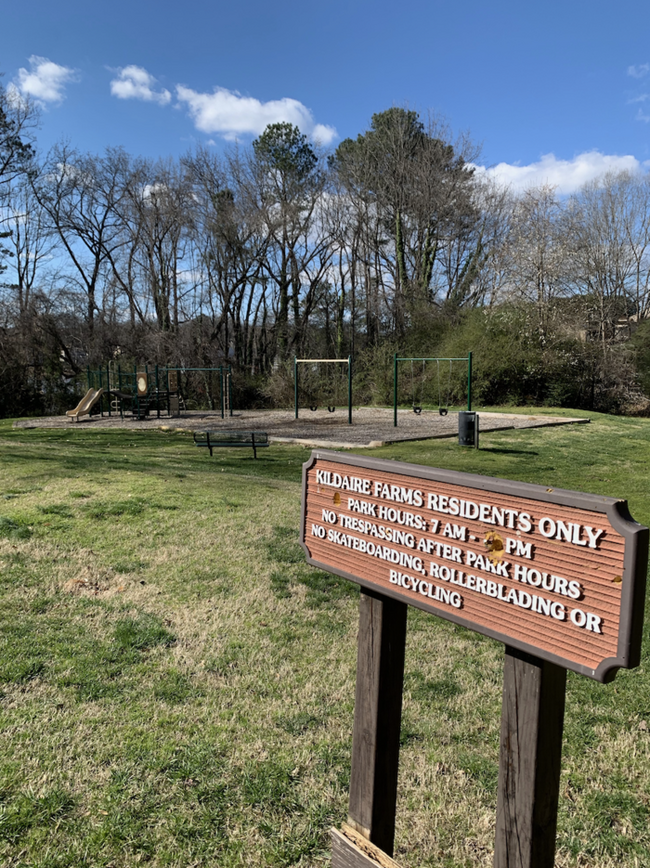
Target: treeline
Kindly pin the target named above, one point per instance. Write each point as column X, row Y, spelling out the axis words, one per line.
column 395, row 242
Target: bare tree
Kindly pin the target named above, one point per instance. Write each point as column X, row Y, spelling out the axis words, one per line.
column 484, row 273
column 81, row 195
column 159, row 198
column 18, row 117
column 18, row 120
column 230, row 242
column 536, row 255
column 285, row 185
column 28, row 240
column 607, row 227
column 417, row 194
column 638, row 233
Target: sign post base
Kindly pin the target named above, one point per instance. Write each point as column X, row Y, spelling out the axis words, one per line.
column 530, row 761
column 352, row 850
column 377, row 718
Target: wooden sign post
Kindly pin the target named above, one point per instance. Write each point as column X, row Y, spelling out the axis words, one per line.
column 557, row 576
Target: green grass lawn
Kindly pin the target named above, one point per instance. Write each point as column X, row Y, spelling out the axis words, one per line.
column 177, row 686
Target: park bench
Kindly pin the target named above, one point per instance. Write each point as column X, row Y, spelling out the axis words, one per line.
column 213, row 439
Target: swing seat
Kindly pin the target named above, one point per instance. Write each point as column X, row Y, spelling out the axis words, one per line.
column 313, row 408
column 417, row 410
column 330, row 408
column 443, row 411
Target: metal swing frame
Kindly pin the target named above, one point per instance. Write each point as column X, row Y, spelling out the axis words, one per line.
column 397, row 359
column 330, row 407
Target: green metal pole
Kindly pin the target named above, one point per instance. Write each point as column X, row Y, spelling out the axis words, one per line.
column 349, row 390
column 395, row 392
column 295, row 384
column 119, row 386
column 88, row 375
column 469, row 381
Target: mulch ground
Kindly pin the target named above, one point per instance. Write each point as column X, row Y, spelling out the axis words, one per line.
column 371, row 426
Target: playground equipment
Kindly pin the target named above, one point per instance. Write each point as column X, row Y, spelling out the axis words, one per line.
column 417, row 405
column 443, row 406
column 416, row 399
column 86, row 404
column 316, row 393
column 160, row 388
column 443, row 409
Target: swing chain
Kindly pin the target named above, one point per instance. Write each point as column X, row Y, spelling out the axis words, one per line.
column 417, row 405
column 444, row 410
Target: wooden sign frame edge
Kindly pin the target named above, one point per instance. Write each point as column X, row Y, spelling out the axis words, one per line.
column 615, row 509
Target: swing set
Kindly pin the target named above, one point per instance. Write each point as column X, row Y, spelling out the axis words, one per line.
column 417, row 394
column 315, row 395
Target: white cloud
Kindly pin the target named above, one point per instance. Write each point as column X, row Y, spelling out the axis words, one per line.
column 566, row 175
column 639, row 71
column 642, row 116
column 230, row 115
column 224, row 112
column 150, row 192
column 134, row 82
column 323, row 134
column 44, row 82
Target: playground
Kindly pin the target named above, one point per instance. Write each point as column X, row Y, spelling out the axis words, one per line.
column 371, row 427
column 324, row 412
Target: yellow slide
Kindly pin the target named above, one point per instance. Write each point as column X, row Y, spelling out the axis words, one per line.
column 86, row 404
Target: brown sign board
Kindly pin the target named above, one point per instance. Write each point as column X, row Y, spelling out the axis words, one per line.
column 558, row 574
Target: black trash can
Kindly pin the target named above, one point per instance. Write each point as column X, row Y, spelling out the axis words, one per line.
column 468, row 428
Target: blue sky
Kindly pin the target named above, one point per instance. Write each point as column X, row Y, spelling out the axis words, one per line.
column 556, row 92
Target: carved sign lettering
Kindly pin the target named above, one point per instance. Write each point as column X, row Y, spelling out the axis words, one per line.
column 559, row 574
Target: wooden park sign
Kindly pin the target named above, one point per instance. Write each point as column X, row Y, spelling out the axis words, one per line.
column 557, row 576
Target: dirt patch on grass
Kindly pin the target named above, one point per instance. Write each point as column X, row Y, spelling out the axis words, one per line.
column 371, row 426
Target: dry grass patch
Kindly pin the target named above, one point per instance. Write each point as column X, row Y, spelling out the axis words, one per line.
column 178, row 686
